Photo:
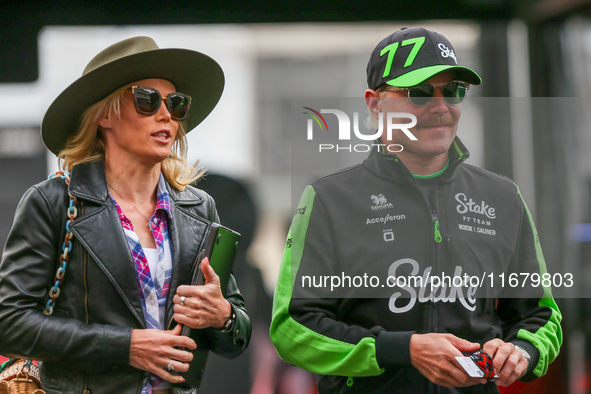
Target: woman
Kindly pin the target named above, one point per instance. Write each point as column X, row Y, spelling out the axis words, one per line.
column 120, row 130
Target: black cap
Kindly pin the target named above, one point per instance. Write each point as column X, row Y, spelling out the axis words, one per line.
column 412, row 55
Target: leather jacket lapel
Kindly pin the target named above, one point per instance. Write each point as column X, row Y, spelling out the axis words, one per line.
column 110, row 251
column 101, row 233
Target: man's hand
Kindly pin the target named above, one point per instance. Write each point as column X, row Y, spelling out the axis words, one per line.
column 508, row 362
column 204, row 306
column 153, row 350
column 434, row 355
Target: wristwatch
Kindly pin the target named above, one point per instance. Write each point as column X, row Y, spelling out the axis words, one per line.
column 229, row 323
column 525, row 354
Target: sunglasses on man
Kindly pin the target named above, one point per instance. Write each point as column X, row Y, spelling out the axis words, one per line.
column 453, row 92
column 147, row 101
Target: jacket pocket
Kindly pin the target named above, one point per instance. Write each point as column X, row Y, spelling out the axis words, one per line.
column 51, row 377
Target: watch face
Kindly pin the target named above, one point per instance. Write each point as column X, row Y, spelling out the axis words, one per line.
column 524, row 352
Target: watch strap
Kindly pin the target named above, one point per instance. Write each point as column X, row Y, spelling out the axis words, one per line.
column 229, row 323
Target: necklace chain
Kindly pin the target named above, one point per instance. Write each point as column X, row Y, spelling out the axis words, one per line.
column 132, row 204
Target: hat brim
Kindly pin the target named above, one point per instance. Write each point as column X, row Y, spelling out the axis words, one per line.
column 191, row 72
column 420, row 75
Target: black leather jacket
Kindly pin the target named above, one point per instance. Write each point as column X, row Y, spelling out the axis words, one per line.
column 85, row 344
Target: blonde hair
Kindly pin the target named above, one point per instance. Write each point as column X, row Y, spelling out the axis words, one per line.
column 87, row 145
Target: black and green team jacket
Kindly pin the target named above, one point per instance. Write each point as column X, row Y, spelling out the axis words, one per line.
column 370, row 259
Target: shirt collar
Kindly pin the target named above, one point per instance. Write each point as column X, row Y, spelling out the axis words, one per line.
column 162, row 197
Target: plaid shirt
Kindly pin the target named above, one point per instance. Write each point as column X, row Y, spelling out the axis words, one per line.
column 154, row 286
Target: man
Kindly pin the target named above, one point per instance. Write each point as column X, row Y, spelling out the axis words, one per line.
column 420, row 214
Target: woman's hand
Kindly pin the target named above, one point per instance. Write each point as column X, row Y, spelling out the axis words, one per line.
column 154, row 350
column 203, row 306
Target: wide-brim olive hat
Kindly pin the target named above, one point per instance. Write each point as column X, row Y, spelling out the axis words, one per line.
column 130, row 60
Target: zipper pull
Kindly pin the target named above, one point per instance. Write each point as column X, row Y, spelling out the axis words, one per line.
column 438, row 237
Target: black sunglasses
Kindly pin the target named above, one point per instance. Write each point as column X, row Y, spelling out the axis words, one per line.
column 147, row 101
column 453, row 92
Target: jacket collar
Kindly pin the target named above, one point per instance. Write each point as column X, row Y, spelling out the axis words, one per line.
column 88, row 182
column 184, row 197
column 391, row 167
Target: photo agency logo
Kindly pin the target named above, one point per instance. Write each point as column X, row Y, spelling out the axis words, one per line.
column 395, row 122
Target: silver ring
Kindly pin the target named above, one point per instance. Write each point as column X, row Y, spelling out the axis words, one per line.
column 182, row 301
column 169, row 367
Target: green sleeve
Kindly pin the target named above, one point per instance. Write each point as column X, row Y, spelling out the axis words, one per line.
column 547, row 338
column 304, row 330
column 532, row 321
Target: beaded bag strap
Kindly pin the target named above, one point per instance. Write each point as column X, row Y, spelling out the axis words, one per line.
column 64, row 259
column 28, row 367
